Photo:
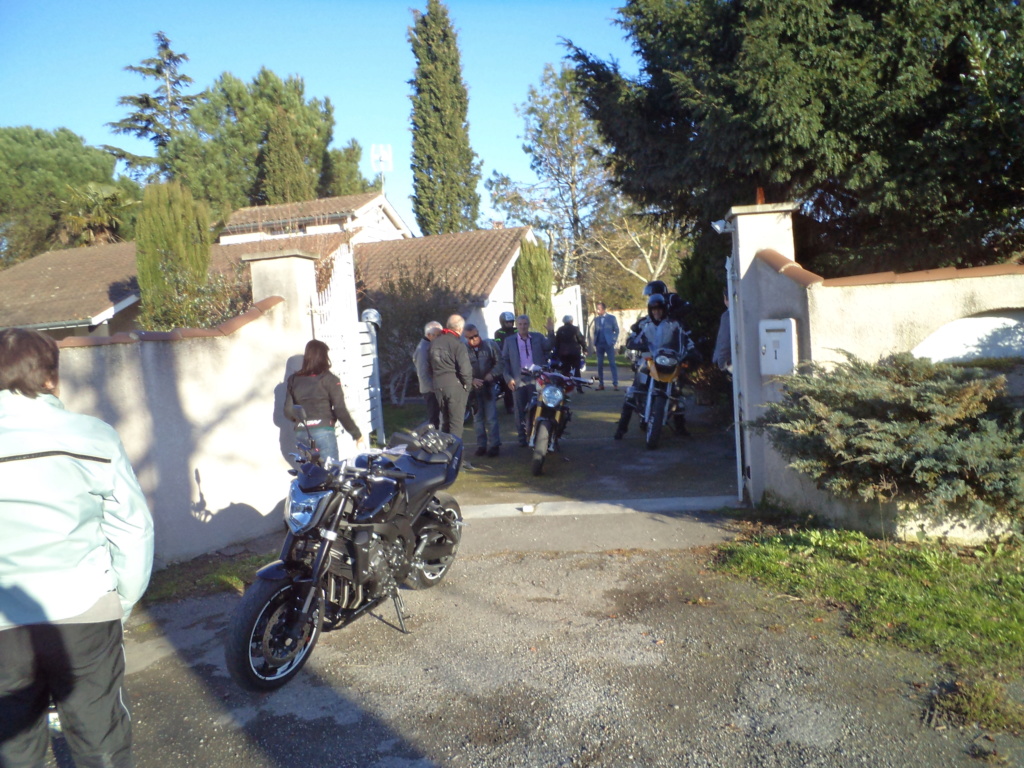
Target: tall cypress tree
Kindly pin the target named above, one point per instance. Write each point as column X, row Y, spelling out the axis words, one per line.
column 445, row 168
column 283, row 177
column 172, row 256
column 532, row 280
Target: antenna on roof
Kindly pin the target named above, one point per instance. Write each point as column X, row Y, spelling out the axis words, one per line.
column 381, row 160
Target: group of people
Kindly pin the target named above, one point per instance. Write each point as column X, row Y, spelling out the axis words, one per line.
column 459, row 370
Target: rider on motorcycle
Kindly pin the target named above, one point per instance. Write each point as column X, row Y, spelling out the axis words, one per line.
column 654, row 332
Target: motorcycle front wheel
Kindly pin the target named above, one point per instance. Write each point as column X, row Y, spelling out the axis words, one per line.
column 540, row 448
column 259, row 654
column 656, row 422
column 427, row 570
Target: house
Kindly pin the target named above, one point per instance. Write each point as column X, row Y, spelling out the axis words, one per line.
column 370, row 217
column 478, row 262
column 94, row 291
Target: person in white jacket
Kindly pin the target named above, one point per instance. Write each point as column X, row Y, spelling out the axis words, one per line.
column 75, row 555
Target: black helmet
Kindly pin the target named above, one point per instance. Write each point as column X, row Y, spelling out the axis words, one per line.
column 656, row 301
column 507, row 318
column 654, row 288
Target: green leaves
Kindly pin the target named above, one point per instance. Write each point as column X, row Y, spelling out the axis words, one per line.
column 903, row 429
column 445, row 168
column 881, row 119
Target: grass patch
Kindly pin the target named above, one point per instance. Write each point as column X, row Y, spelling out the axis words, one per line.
column 203, row 576
column 407, row 416
column 961, row 604
column 981, row 700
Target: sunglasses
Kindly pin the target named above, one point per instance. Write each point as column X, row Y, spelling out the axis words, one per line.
column 470, row 338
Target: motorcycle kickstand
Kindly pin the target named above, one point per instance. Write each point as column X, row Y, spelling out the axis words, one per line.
column 396, row 597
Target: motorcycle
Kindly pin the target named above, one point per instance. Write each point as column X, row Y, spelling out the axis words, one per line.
column 657, row 395
column 548, row 413
column 356, row 530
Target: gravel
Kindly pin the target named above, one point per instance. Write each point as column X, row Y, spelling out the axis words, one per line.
column 611, row 657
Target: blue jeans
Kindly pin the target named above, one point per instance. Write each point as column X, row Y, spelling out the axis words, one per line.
column 608, row 352
column 325, row 438
column 485, row 421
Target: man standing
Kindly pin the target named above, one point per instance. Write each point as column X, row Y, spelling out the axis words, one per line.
column 508, row 328
column 421, row 359
column 75, row 555
column 604, row 332
column 522, row 350
column 453, row 375
column 486, row 362
column 569, row 344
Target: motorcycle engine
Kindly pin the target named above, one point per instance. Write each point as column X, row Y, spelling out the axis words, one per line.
column 385, row 560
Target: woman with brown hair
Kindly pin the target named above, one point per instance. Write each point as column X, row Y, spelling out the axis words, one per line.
column 319, row 393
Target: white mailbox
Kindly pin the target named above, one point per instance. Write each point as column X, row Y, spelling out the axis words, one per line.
column 778, row 346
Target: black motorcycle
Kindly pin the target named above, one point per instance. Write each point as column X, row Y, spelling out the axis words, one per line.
column 356, row 531
column 548, row 413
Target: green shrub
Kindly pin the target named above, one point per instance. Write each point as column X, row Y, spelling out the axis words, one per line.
column 904, row 429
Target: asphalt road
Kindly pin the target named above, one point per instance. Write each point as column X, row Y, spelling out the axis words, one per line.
column 580, row 632
column 556, row 640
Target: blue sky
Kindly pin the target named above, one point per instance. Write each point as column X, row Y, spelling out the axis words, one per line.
column 62, row 63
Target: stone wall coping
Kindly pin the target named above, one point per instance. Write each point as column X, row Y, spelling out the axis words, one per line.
column 226, row 328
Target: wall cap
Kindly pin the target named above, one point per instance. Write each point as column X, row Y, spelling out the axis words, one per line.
column 226, row 328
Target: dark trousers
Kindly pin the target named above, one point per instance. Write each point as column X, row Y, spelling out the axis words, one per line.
column 81, row 668
column 452, row 398
column 523, row 393
column 433, row 409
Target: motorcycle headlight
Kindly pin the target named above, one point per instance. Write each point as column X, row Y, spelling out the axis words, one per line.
column 303, row 510
column 666, row 361
column 552, row 396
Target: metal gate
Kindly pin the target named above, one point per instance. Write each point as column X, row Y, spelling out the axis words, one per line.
column 353, row 347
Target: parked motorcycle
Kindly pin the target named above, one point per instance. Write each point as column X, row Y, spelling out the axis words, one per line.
column 548, row 412
column 357, row 530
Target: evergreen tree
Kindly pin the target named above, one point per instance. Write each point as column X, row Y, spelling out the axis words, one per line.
column 156, row 116
column 38, row 167
column 532, row 281
column 172, row 257
column 341, row 175
column 283, row 177
column 897, row 126
column 445, row 168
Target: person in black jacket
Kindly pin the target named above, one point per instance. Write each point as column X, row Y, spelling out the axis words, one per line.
column 453, row 375
column 319, row 393
column 569, row 346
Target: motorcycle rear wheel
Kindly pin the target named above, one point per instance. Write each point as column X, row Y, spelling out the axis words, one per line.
column 425, row 573
column 257, row 651
column 540, row 448
column 655, row 424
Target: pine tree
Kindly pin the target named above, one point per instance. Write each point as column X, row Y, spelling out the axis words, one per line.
column 160, row 115
column 445, row 168
column 532, row 280
column 172, row 257
column 283, row 176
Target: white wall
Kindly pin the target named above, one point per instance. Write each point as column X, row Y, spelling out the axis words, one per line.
column 943, row 314
column 201, row 414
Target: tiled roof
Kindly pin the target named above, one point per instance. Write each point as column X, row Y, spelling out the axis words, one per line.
column 324, row 208
column 70, row 286
column 473, row 261
column 75, row 285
